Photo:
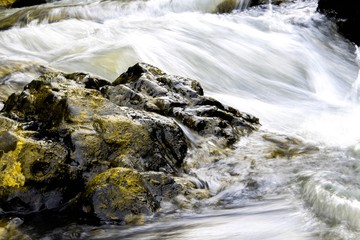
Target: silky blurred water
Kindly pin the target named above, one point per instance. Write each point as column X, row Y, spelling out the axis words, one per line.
column 285, row 64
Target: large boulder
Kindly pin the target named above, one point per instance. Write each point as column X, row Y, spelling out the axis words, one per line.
column 346, row 14
column 110, row 152
column 148, row 88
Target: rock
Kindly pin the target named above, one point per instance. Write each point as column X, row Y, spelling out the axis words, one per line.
column 346, row 15
column 146, row 87
column 37, row 15
column 226, row 6
column 26, row 3
column 263, row 2
column 6, row 3
column 14, row 75
column 112, row 152
column 10, row 231
column 287, row 147
column 119, row 194
column 147, row 140
column 20, row 3
column 65, row 133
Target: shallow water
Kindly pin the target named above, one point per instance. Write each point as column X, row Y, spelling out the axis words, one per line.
column 285, row 64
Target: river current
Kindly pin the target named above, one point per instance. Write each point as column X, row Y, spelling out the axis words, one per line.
column 285, row 64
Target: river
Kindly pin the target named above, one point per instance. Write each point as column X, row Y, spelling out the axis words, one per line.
column 285, row 64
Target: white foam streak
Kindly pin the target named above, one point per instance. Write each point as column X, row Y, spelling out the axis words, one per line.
column 355, row 92
column 332, row 200
column 102, row 11
column 290, row 75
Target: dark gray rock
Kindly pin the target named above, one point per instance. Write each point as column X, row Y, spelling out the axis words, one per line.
column 346, row 14
column 111, row 152
column 148, row 88
column 263, row 2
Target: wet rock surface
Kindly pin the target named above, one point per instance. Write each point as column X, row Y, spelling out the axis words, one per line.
column 106, row 152
column 148, row 88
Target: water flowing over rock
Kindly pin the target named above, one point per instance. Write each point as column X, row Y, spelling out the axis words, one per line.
column 347, row 16
column 110, row 152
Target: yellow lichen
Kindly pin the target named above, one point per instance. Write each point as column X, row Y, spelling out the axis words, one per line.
column 6, row 3
column 84, row 105
column 135, row 219
column 11, row 174
column 117, row 188
column 126, row 134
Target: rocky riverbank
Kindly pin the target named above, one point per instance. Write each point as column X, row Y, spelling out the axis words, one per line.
column 107, row 152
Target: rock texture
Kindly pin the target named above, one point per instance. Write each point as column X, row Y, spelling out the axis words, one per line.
column 109, row 152
column 148, row 88
column 346, row 14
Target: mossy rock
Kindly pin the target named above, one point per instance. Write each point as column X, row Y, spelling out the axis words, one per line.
column 20, row 3
column 117, row 195
column 226, row 6
column 6, row 3
column 9, row 230
column 287, row 147
column 70, row 106
column 147, row 88
column 32, row 172
column 115, row 150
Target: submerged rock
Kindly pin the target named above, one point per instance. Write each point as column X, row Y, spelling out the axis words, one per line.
column 346, row 14
column 110, row 152
column 287, row 147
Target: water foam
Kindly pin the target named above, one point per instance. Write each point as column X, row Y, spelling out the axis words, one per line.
column 332, row 199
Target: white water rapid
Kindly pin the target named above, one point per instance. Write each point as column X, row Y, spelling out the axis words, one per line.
column 285, row 64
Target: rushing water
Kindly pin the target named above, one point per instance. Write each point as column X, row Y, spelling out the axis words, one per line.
column 285, row 64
